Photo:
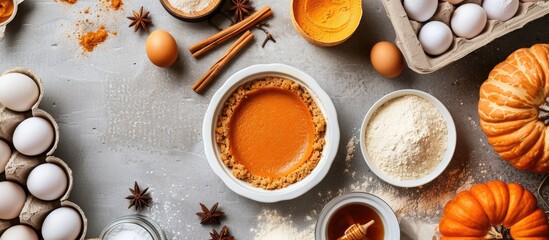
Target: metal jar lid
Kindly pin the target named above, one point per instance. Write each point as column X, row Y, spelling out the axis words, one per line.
column 145, row 227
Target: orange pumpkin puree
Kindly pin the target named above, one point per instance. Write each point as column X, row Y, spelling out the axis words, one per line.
column 271, row 132
column 6, row 10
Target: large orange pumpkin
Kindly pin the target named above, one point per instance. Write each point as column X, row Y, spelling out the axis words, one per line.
column 495, row 210
column 514, row 108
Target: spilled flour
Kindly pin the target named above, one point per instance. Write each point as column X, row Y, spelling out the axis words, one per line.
column 350, row 154
column 275, row 226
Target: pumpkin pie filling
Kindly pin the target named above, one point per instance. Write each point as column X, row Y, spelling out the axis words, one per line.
column 271, row 133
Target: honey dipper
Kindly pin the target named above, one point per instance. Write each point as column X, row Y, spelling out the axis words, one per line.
column 357, row 231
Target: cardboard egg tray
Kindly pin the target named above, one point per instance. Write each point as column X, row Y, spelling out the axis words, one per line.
column 19, row 166
column 407, row 32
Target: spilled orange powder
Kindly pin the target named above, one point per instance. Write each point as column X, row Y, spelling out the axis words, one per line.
column 69, row 1
column 115, row 4
column 91, row 39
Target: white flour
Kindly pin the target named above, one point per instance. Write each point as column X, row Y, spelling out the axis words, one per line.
column 274, row 226
column 350, row 154
column 190, row 6
column 128, row 232
column 407, row 137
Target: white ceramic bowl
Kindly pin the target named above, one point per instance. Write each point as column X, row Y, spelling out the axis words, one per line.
column 212, row 150
column 383, row 210
column 451, row 145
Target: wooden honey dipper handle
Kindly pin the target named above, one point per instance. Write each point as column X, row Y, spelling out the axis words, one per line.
column 357, row 231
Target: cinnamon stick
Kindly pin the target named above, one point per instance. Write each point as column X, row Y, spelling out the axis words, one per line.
column 230, row 32
column 220, row 64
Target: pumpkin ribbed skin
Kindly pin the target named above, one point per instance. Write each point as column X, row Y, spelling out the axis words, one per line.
column 509, row 105
column 471, row 214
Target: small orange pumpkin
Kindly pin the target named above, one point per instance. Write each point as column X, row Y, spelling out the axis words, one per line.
column 495, row 210
column 514, row 108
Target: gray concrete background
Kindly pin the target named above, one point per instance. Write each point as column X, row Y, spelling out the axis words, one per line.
column 123, row 119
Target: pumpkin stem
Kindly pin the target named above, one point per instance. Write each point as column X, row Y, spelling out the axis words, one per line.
column 493, row 233
column 543, row 113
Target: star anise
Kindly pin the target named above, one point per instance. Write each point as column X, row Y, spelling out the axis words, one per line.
column 139, row 199
column 140, row 19
column 240, row 9
column 223, row 235
column 210, row 215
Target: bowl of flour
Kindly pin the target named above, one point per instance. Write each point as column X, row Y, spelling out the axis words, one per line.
column 408, row 138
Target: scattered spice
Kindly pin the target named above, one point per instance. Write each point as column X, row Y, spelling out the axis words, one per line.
column 140, row 20
column 91, row 39
column 69, row 1
column 115, row 4
column 222, row 235
column 269, row 36
column 210, row 215
column 240, row 9
column 139, row 199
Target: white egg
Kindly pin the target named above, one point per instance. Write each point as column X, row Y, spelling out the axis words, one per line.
column 12, row 200
column 18, row 92
column 420, row 10
column 47, row 182
column 468, row 20
column 63, row 223
column 5, row 154
column 502, row 10
column 33, row 136
column 435, row 37
column 19, row 232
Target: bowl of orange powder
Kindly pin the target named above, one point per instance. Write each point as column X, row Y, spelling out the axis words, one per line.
column 326, row 23
column 270, row 133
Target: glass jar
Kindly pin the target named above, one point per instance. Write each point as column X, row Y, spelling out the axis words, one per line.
column 133, row 227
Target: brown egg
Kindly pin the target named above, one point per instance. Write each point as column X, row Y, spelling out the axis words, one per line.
column 387, row 59
column 161, row 48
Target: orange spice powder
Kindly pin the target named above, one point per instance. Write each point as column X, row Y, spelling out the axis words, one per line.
column 115, row 4
column 69, row 1
column 91, row 39
column 327, row 20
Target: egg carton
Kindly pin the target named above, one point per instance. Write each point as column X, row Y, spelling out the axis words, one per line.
column 407, row 32
column 19, row 165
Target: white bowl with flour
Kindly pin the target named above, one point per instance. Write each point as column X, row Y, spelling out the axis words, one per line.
column 408, row 138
